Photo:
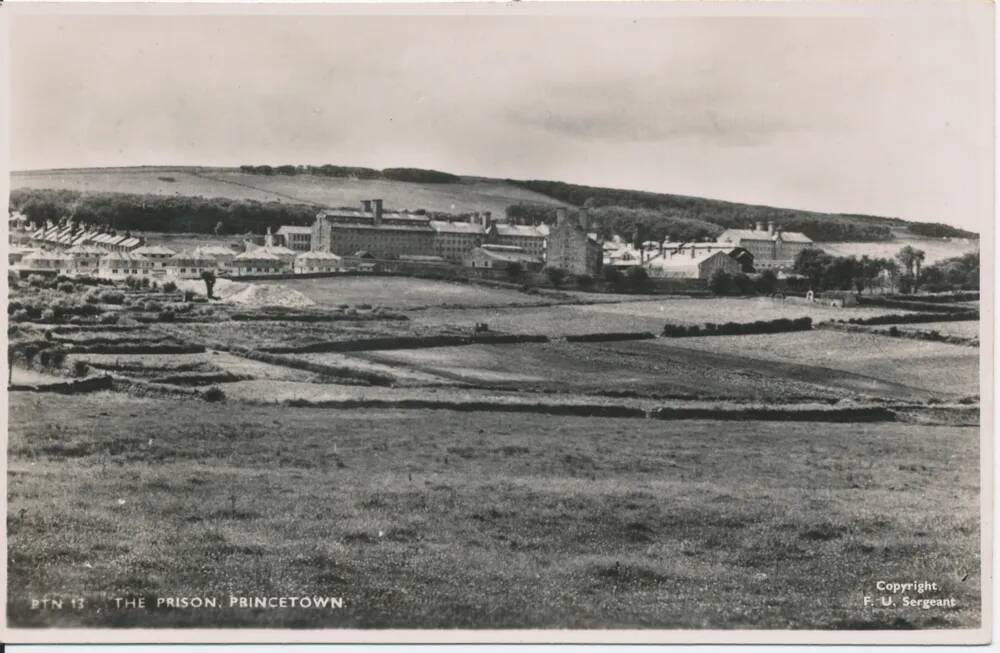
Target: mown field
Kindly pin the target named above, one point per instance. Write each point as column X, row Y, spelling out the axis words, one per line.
column 437, row 519
column 935, row 367
column 403, row 292
column 635, row 315
column 469, row 194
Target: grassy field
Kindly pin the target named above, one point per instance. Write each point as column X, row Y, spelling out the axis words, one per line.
column 402, row 292
column 633, row 315
column 469, row 194
column 636, row 369
column 931, row 366
column 968, row 329
column 484, row 520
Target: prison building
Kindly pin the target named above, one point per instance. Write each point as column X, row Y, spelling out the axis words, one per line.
column 384, row 234
column 571, row 248
column 295, row 237
column 527, row 237
column 223, row 256
column 453, row 240
column 190, row 265
column 85, row 259
column 258, row 261
column 772, row 249
column 119, row 265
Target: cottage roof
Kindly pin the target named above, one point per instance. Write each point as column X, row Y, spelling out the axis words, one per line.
column 154, row 250
column 131, row 243
column 43, row 255
column 317, row 255
column 86, row 249
column 213, row 250
column 259, row 254
column 187, row 257
column 114, row 257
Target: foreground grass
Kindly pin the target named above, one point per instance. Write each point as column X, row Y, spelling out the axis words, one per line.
column 440, row 519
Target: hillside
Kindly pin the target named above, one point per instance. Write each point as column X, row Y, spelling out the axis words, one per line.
column 199, row 199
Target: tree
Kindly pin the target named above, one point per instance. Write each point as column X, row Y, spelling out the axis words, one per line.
column 515, row 271
column 811, row 263
column 766, row 283
column 638, row 278
column 918, row 259
column 555, row 275
column 209, row 278
column 612, row 275
column 906, row 258
column 720, row 283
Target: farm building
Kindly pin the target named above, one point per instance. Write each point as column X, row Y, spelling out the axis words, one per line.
column 190, row 265
column 295, row 237
column 16, row 253
column 771, row 248
column 158, row 254
column 258, row 261
column 119, row 265
column 571, row 248
column 453, row 240
column 311, row 262
column 500, row 257
column 528, row 238
column 695, row 264
column 46, row 261
column 386, row 234
column 222, row 256
column 86, row 258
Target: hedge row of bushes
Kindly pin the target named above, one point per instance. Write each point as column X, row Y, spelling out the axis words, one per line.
column 406, row 342
column 913, row 318
column 943, row 298
column 607, row 337
column 159, row 348
column 338, row 371
column 780, row 325
column 937, row 307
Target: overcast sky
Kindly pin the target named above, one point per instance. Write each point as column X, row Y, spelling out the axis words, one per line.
column 889, row 116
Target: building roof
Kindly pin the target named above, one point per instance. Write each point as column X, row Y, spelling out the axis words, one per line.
column 523, row 230
column 259, row 254
column 446, row 226
column 118, row 256
column 507, row 256
column 86, row 249
column 317, row 255
column 421, row 257
column 43, row 255
column 736, row 235
column 213, row 250
column 682, row 260
column 293, row 229
column 154, row 250
column 130, row 242
column 421, row 226
column 190, row 256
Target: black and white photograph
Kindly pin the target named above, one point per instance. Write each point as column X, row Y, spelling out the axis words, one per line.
column 493, row 322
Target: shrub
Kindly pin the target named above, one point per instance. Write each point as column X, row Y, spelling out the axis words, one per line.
column 720, row 283
column 555, row 275
column 66, row 286
column 20, row 315
column 112, row 297
column 638, row 278
column 80, row 368
column 13, row 306
column 167, row 316
column 152, row 307
column 780, row 325
column 38, row 280
column 584, row 281
column 612, row 275
column 48, row 315
column 214, row 393
column 169, row 286
column 92, row 297
column 108, row 318
column 188, row 295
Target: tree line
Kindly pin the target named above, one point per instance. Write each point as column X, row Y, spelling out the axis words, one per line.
column 826, row 227
column 416, row 175
column 904, row 273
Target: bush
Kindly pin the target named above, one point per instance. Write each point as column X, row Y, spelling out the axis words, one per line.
column 152, row 307
column 80, row 368
column 108, row 318
column 555, row 275
column 167, row 316
column 112, row 297
column 38, row 281
column 613, row 275
column 66, row 286
column 188, row 295
column 766, row 283
column 169, row 286
column 637, row 277
column 48, row 315
column 780, row 325
column 20, row 315
column 720, row 283
column 213, row 394
column 584, row 281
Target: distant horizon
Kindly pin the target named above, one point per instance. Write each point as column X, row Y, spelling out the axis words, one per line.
column 149, row 166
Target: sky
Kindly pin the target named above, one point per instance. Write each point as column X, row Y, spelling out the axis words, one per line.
column 887, row 115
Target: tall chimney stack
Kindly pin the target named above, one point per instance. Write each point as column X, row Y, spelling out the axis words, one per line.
column 377, row 206
column 560, row 215
column 581, row 219
column 487, row 219
column 366, row 206
column 760, row 226
column 770, row 227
